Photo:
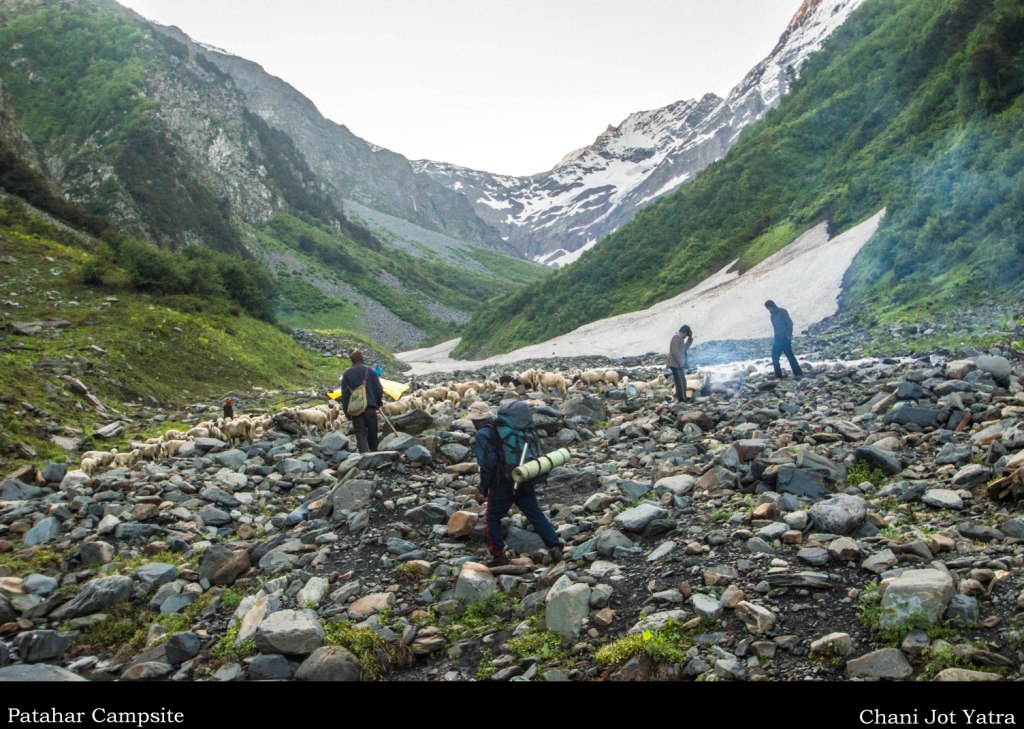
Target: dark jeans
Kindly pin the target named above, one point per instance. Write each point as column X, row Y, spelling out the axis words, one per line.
column 679, row 375
column 784, row 347
column 366, row 430
column 501, row 500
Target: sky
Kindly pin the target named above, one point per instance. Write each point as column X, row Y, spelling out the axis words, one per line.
column 506, row 86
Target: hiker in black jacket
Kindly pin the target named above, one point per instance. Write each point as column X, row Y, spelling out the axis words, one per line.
column 783, row 343
column 502, row 493
column 365, row 424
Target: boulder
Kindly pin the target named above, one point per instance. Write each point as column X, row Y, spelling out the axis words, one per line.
column 291, row 632
column 880, row 459
column 330, row 663
column 842, row 514
column 97, row 595
column 567, row 609
column 221, row 566
column 475, row 583
column 888, row 663
column 47, row 530
column 914, row 593
column 637, row 518
column 461, row 523
column 364, row 607
column 350, row 496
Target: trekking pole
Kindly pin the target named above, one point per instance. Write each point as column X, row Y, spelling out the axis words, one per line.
column 393, row 428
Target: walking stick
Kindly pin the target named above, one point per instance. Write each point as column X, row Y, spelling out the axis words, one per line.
column 393, row 428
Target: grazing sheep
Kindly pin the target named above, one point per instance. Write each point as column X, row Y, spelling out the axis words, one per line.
column 89, row 466
column 436, row 393
column 149, row 451
column 395, row 408
column 611, row 377
column 315, row 418
column 215, row 432
column 126, row 460
column 171, row 447
column 237, row 430
column 530, row 378
column 552, row 379
column 103, row 458
column 174, row 435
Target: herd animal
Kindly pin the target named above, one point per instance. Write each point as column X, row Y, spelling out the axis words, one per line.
column 320, row 419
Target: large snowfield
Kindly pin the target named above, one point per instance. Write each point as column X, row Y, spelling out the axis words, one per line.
column 805, row 278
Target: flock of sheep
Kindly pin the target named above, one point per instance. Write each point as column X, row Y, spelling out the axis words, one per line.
column 329, row 416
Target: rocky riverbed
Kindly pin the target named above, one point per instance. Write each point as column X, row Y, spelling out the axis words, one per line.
column 860, row 522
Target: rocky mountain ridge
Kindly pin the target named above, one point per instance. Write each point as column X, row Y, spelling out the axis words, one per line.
column 553, row 215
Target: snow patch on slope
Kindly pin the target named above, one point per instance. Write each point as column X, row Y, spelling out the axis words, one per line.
column 805, row 277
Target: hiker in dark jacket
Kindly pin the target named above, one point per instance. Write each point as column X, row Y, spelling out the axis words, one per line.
column 501, row 492
column 365, row 424
column 783, row 344
column 678, row 349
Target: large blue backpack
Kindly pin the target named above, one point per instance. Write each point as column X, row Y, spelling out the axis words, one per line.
column 519, row 441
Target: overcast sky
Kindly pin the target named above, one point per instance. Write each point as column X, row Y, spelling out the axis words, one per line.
column 507, row 86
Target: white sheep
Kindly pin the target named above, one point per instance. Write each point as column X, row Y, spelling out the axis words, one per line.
column 89, row 466
column 552, row 379
column 171, row 447
column 126, row 460
column 237, row 430
column 149, row 451
column 315, row 418
column 395, row 408
column 103, row 458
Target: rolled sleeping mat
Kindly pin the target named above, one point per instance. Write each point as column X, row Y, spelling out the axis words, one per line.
column 540, row 466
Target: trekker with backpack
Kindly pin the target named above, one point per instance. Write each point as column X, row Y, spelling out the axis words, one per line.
column 361, row 395
column 496, row 442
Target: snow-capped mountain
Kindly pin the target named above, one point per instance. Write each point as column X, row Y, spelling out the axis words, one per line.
column 554, row 216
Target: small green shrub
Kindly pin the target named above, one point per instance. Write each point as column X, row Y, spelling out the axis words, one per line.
column 861, row 471
column 376, row 656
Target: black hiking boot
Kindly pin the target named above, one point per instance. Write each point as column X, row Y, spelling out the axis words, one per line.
column 500, row 561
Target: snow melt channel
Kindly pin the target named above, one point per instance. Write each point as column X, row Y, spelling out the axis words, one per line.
column 805, row 278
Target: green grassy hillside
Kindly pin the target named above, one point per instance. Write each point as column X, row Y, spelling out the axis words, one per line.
column 137, row 134
column 411, row 286
column 913, row 105
column 127, row 347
